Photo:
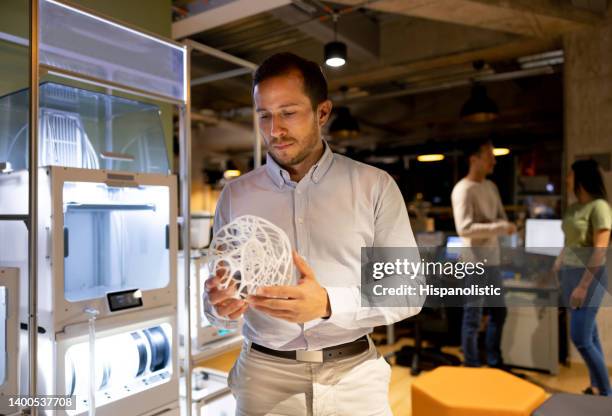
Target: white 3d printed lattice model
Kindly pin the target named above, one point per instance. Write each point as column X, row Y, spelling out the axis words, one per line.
column 250, row 252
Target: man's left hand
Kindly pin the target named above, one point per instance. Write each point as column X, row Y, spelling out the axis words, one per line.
column 302, row 303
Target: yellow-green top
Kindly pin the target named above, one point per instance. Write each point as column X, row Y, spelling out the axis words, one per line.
column 579, row 224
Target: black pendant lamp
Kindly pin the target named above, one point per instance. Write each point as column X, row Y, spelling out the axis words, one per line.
column 479, row 108
column 335, row 52
column 344, row 125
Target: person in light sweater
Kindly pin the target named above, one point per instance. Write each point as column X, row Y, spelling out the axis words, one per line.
column 480, row 219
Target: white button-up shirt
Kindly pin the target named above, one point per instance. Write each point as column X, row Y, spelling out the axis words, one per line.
column 338, row 207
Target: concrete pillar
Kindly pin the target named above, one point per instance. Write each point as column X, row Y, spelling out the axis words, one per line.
column 588, row 121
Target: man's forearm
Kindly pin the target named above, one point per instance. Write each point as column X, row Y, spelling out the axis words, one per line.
column 483, row 230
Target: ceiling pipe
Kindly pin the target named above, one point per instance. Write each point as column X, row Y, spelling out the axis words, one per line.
column 221, row 76
column 597, row 6
column 504, row 76
column 327, row 16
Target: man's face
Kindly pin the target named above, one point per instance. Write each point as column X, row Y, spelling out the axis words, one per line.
column 484, row 161
column 290, row 127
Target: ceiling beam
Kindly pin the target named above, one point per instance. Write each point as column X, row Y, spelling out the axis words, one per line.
column 495, row 53
column 219, row 15
column 598, row 6
column 360, row 34
column 534, row 18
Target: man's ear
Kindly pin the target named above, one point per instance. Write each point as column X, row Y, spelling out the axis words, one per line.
column 472, row 159
column 323, row 112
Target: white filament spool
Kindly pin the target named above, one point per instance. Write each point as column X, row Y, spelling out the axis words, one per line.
column 251, row 252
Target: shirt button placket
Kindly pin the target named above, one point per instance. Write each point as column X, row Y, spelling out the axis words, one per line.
column 299, row 234
column 298, row 218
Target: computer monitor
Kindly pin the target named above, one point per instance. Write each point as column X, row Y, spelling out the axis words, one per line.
column 454, row 244
column 430, row 239
column 544, row 237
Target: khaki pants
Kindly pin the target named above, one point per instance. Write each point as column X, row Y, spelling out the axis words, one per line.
column 353, row 386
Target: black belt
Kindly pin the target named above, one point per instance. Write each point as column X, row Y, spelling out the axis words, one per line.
column 318, row 356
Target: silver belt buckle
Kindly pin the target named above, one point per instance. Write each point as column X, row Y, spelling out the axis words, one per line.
column 309, row 356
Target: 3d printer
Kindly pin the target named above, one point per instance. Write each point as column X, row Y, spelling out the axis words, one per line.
column 9, row 345
column 107, row 243
column 106, row 209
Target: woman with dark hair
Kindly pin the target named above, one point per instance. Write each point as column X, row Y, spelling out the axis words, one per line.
column 582, row 266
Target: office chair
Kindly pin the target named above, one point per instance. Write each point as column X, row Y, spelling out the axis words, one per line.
column 440, row 327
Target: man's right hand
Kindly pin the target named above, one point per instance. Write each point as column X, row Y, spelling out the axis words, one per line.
column 511, row 228
column 223, row 300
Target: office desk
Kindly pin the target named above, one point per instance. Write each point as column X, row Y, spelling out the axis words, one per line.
column 531, row 334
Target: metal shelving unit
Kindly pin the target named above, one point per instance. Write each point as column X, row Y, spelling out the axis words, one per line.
column 162, row 74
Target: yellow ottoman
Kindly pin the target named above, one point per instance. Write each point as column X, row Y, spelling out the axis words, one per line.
column 462, row 391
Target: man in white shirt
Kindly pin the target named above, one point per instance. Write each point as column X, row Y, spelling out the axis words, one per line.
column 307, row 351
column 480, row 219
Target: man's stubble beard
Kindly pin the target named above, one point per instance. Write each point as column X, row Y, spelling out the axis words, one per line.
column 304, row 153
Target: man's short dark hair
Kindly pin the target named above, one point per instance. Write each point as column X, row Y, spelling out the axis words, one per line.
column 315, row 84
column 473, row 147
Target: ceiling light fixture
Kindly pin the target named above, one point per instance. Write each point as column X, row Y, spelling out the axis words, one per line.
column 501, row 151
column 432, row 157
column 344, row 125
column 231, row 173
column 335, row 52
column 479, row 108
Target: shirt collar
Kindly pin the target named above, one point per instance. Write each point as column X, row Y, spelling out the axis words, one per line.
column 280, row 176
